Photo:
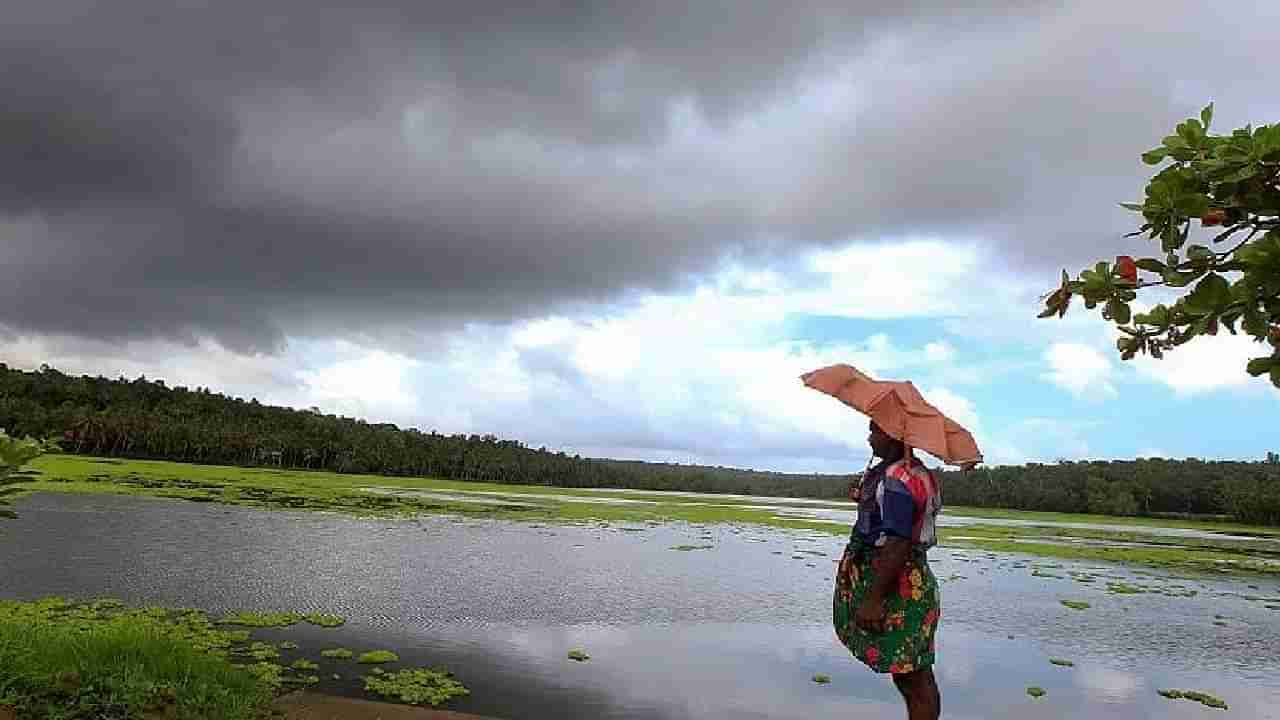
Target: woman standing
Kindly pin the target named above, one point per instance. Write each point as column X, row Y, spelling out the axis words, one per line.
column 886, row 605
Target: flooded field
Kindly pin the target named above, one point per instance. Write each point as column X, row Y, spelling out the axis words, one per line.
column 681, row 620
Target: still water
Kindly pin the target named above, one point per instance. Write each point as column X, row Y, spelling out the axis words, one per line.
column 736, row 630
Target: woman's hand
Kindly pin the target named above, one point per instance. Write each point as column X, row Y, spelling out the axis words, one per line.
column 870, row 614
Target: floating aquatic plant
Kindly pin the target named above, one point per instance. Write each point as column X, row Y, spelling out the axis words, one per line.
column 579, row 655
column 324, row 619
column 1062, row 663
column 1076, row 604
column 378, row 656
column 1196, row 696
column 1036, row 692
column 822, row 679
column 262, row 651
column 416, row 686
column 337, row 653
column 259, row 619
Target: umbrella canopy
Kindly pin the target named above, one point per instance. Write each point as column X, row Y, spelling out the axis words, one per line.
column 900, row 410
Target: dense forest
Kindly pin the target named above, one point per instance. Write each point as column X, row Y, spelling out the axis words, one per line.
column 147, row 419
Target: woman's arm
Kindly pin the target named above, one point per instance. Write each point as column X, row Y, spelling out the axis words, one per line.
column 897, row 513
column 888, row 563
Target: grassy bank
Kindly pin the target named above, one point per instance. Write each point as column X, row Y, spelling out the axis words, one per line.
column 99, row 659
column 378, row 496
column 59, row 660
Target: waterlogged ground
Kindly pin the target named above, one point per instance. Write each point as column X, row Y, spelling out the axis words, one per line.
column 733, row 624
column 1179, row 546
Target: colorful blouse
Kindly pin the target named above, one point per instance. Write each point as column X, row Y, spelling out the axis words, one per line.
column 899, row 499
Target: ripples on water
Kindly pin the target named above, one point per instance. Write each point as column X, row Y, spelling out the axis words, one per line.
column 736, row 630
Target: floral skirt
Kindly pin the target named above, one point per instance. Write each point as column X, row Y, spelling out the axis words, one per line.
column 911, row 609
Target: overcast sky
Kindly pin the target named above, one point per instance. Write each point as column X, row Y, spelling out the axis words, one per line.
column 618, row 228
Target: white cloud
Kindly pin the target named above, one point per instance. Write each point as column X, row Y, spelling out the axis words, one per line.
column 1080, row 369
column 1205, row 364
column 709, row 377
column 364, row 383
column 939, row 352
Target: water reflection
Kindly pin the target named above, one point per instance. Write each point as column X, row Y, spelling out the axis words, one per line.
column 736, row 630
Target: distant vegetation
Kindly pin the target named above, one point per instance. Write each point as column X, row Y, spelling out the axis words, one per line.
column 149, row 420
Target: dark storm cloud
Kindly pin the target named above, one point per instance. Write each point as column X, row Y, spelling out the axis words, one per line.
column 257, row 170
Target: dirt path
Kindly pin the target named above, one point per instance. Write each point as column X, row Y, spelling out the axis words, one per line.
column 314, row 706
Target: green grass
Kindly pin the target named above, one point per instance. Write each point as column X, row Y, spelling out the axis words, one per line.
column 1057, row 517
column 65, row 666
column 347, row 493
column 83, row 660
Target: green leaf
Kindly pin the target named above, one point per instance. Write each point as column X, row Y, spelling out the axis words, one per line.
column 1245, row 173
column 1154, row 157
column 1192, row 204
column 1158, row 317
column 1151, row 265
column 1191, row 131
column 1275, row 376
column 1199, row 252
column 1136, row 207
column 1206, row 116
column 1261, row 366
column 1118, row 311
column 1255, row 323
column 1175, row 278
column 1211, row 293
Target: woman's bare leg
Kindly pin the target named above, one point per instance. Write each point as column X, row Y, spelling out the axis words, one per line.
column 920, row 691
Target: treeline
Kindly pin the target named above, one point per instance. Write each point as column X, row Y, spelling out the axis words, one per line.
column 149, row 420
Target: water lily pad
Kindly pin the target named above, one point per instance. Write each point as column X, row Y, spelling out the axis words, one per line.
column 378, row 656
column 1062, row 663
column 821, row 679
column 687, row 548
column 579, row 655
column 288, row 645
column 304, row 664
column 1076, row 604
column 337, row 653
column 1036, row 692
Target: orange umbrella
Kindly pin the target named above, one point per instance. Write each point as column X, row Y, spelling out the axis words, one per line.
column 900, row 410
